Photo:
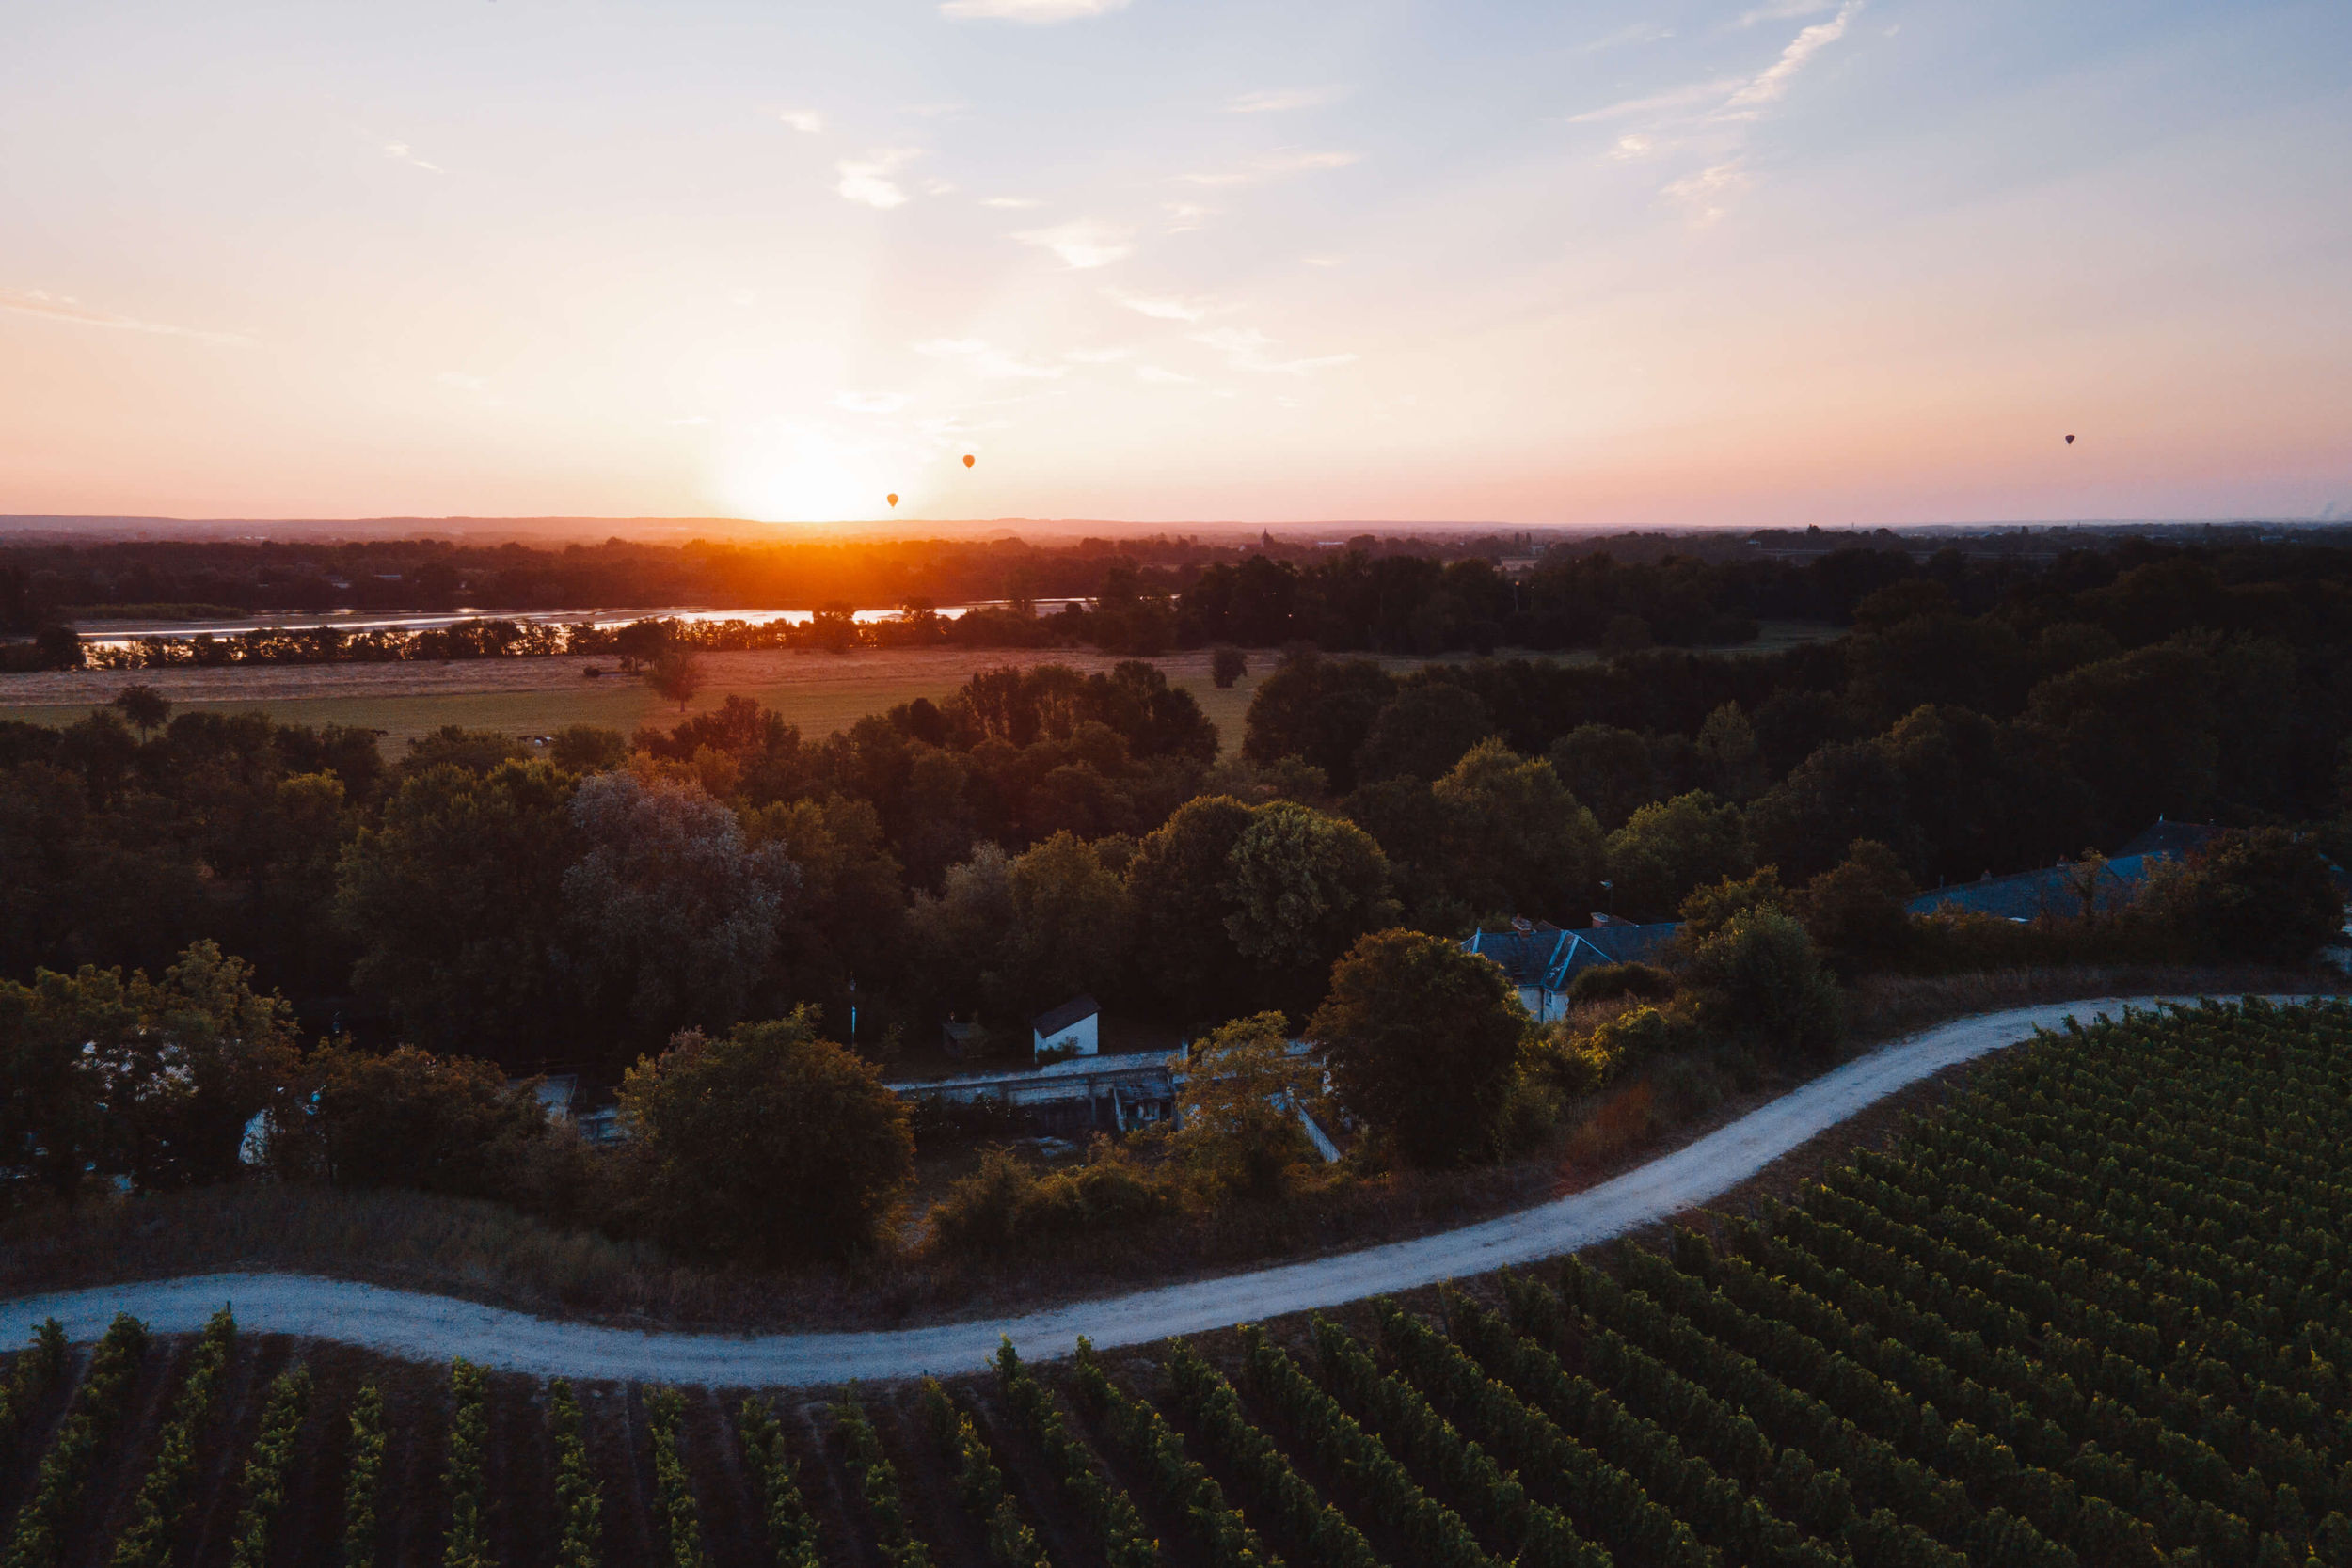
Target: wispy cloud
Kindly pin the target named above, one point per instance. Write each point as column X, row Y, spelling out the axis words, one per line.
column 689, row 420
column 65, row 308
column 1245, row 349
column 1083, row 242
column 1706, row 192
column 869, row 403
column 1635, row 144
column 399, row 152
column 1185, row 216
column 1276, row 101
column 1166, row 307
column 1011, row 203
column 1160, row 377
column 1638, row 33
column 867, row 179
column 1322, row 260
column 1784, row 10
column 1095, row 356
column 1656, row 102
column 1771, row 85
column 1274, row 166
column 990, row 361
column 1028, row 11
column 807, row 121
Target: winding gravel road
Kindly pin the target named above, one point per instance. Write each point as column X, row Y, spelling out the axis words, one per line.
column 426, row 1327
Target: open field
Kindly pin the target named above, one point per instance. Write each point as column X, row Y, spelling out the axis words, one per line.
column 2081, row 1316
column 819, row 693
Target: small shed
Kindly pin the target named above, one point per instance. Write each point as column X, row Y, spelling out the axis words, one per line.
column 1074, row 1028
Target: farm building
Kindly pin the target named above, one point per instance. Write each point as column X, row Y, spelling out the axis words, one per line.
column 1541, row 958
column 1074, row 1028
column 1091, row 1093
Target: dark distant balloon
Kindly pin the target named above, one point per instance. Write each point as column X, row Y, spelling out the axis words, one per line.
column 893, row 497
column 969, row 459
column 2070, row 441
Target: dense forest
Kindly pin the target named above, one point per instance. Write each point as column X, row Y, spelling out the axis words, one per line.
column 1038, row 834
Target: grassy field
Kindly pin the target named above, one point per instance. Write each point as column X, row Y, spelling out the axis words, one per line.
column 819, row 693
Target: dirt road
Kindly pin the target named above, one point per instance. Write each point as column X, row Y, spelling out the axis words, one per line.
column 428, row 1327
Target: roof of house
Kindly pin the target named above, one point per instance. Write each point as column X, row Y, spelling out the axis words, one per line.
column 1061, row 1018
column 1547, row 956
column 2054, row 891
column 2177, row 839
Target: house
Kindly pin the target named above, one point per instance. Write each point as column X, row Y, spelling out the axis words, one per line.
column 955, row 1037
column 2058, row 891
column 1541, row 958
column 1074, row 1028
column 1084, row 1094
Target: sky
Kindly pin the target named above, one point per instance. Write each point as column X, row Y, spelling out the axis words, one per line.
column 1763, row 262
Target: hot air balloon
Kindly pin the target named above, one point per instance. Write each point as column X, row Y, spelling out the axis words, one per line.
column 969, row 459
column 2070, row 441
column 892, row 497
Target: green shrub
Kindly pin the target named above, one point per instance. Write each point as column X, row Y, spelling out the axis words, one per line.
column 364, row 1485
column 465, row 1546
column 97, row 1410
column 878, row 1483
column 791, row 1533
column 578, row 1500
column 267, row 1469
column 1759, row 978
column 30, row 1378
column 163, row 1496
column 679, row 1520
column 1609, row 982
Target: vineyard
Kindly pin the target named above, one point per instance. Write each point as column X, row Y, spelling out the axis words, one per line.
column 2093, row 1313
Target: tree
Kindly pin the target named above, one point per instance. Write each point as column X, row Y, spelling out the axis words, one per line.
column 1668, row 848
column 1515, row 839
column 1759, row 978
column 676, row 673
column 1858, row 911
column 1609, row 770
column 586, row 747
column 672, row 919
column 1236, row 1121
column 767, row 1144
column 1176, row 886
column 1316, row 708
column 2139, row 730
column 457, row 902
column 1227, row 664
column 1301, row 886
column 153, row 1081
column 453, row 746
column 1728, row 753
column 143, row 706
column 1423, row 732
column 2264, row 896
column 1422, row 1039
column 409, row 1119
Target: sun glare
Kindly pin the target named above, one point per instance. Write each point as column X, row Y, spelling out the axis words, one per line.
column 800, row 477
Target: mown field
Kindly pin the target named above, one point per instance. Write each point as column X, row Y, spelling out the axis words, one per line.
column 2092, row 1314
column 819, row 693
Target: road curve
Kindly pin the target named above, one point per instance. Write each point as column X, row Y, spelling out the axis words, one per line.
column 428, row 1327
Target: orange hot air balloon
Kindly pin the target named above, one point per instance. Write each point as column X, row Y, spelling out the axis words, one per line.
column 969, row 460
column 893, row 497
column 2070, row 441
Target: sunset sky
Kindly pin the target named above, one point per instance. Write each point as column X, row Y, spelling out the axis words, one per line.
column 1769, row 261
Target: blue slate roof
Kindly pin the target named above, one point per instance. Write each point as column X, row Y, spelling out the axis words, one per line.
column 2179, row 840
column 2052, row 891
column 1070, row 1012
column 1547, row 956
